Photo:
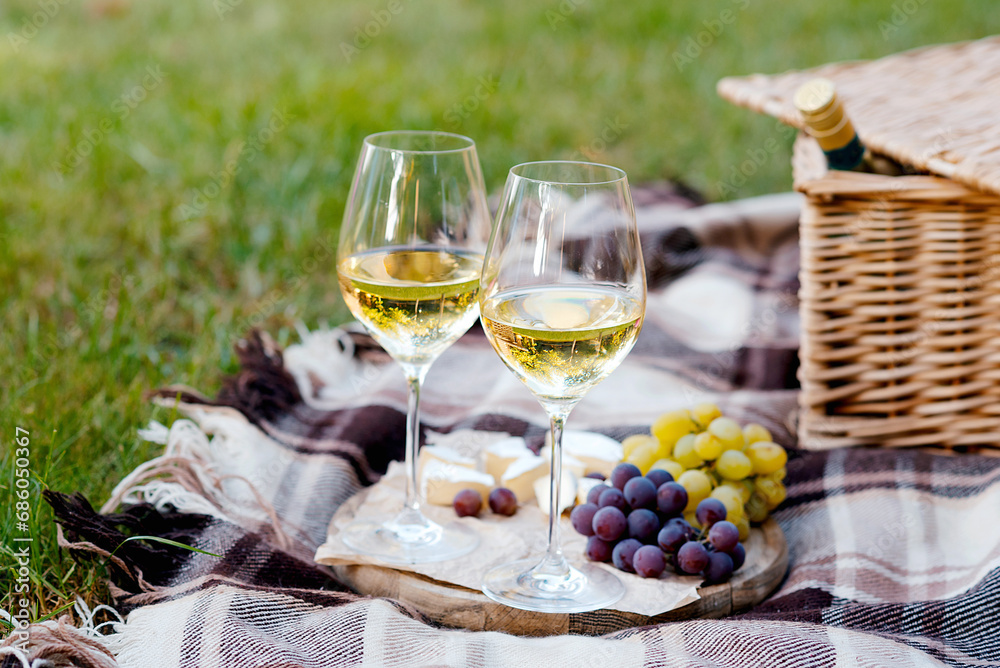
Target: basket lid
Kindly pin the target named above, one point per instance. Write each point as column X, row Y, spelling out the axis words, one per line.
column 936, row 108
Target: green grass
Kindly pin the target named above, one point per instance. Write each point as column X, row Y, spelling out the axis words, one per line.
column 117, row 276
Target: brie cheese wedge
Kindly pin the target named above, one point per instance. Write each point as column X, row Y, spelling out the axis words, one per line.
column 441, row 481
column 522, row 474
column 598, row 453
column 567, row 493
column 443, row 455
column 502, row 454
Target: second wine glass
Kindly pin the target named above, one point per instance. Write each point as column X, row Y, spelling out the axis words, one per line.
column 562, row 301
column 409, row 260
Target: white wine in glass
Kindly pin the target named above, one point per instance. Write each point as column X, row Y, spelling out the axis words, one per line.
column 408, row 263
column 415, row 302
column 562, row 301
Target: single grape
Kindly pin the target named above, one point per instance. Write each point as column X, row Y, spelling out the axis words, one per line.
column 623, row 553
column 643, row 525
column 698, row 486
column 648, row 561
column 779, row 475
column 773, row 492
column 670, row 427
column 684, row 524
column 707, row 445
column 710, row 511
column 595, row 493
column 635, row 440
column 745, row 487
column 609, row 523
column 668, row 465
column 671, row 498
column 684, row 452
column 724, row 535
column 644, row 455
column 467, row 503
column 728, row 432
column 733, row 465
column 612, row 497
column 719, row 568
column 756, row 507
column 502, row 501
column 622, row 473
column 596, row 475
column 766, row 457
column 731, row 498
column 743, row 524
column 754, row 433
column 692, row 557
column 739, row 555
column 640, row 493
column 597, row 549
column 582, row 518
column 671, row 537
column 659, row 476
column 704, row 413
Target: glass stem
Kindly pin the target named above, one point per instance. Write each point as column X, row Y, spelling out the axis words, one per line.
column 414, row 379
column 554, row 563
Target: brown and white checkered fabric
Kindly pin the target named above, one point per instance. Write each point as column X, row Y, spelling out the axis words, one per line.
column 894, row 555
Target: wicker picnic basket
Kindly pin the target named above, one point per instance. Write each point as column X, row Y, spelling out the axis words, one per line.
column 900, row 276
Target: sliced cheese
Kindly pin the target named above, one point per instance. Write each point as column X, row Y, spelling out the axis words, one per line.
column 567, row 493
column 598, row 453
column 503, row 453
column 522, row 474
column 569, row 462
column 441, row 481
column 443, row 455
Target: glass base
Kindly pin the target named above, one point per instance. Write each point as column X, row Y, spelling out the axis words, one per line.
column 526, row 584
column 410, row 538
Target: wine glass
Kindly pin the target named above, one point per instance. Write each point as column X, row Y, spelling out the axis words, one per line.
column 562, row 299
column 408, row 263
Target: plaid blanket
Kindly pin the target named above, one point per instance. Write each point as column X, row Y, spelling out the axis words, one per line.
column 894, row 555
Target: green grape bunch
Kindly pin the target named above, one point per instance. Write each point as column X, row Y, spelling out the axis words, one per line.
column 712, row 456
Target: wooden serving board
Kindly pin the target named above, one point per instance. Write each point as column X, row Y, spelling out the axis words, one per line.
column 459, row 607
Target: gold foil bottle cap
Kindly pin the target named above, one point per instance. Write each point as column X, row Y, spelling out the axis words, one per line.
column 823, row 114
column 815, row 96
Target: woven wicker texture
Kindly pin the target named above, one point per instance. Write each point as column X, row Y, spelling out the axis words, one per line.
column 900, row 290
column 936, row 108
column 900, row 276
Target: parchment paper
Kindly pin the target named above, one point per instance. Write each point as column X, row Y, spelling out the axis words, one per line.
column 502, row 539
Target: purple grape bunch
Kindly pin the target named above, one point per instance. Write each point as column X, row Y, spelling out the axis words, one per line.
column 637, row 522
